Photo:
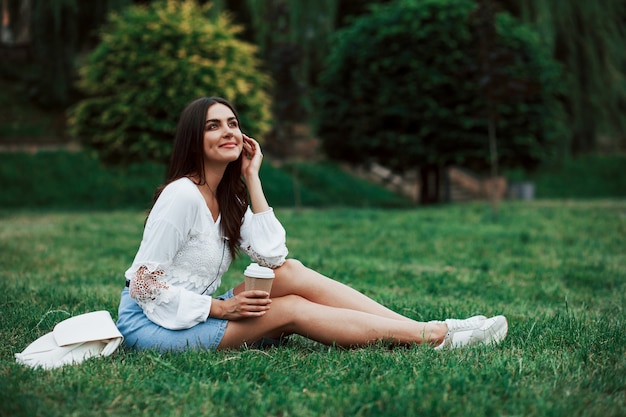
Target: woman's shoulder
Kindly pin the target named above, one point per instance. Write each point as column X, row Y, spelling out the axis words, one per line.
column 181, row 188
column 179, row 193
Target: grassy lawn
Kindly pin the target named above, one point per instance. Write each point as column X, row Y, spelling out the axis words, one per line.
column 557, row 269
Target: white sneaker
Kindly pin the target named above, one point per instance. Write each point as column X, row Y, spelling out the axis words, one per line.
column 475, row 330
column 456, row 324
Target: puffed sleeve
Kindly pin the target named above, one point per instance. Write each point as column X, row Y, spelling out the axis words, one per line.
column 165, row 233
column 263, row 238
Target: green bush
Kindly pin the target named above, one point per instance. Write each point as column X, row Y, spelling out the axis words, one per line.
column 404, row 84
column 586, row 176
column 334, row 187
column 78, row 181
column 151, row 62
column 74, row 181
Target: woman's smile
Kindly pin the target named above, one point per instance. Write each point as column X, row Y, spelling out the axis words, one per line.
column 223, row 140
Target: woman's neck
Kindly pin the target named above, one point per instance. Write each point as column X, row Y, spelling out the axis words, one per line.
column 208, row 188
column 211, row 178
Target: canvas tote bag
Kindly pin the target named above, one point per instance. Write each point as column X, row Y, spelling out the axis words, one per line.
column 72, row 341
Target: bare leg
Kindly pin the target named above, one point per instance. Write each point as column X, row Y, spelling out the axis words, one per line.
column 325, row 324
column 294, row 278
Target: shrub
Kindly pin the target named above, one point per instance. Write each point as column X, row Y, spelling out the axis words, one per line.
column 151, row 62
column 78, row 181
column 403, row 87
column 74, row 181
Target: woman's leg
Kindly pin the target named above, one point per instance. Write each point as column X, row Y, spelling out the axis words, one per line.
column 326, row 324
column 294, row 278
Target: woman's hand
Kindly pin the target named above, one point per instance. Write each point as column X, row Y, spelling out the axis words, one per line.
column 252, row 157
column 250, row 166
column 246, row 304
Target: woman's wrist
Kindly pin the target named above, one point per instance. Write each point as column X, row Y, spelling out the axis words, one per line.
column 251, row 177
column 257, row 198
column 216, row 311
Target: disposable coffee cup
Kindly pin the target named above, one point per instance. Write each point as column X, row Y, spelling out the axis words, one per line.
column 258, row 277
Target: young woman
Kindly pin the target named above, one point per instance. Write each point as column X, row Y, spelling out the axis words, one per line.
column 211, row 208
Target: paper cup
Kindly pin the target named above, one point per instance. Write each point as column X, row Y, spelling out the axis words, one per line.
column 258, row 277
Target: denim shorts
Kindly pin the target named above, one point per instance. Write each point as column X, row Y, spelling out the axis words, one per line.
column 142, row 333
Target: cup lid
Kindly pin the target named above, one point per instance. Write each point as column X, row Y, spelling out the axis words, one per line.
column 255, row 270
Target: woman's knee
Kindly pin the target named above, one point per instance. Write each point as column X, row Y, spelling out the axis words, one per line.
column 288, row 303
column 289, row 277
column 288, row 308
column 289, row 268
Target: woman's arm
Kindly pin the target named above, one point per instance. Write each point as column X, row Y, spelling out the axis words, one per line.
column 250, row 166
column 262, row 235
column 244, row 305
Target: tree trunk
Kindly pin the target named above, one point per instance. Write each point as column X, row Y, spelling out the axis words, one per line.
column 430, row 184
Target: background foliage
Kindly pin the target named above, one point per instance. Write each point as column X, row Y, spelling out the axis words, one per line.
column 293, row 48
column 403, row 88
column 78, row 182
column 588, row 38
column 151, row 62
column 58, row 30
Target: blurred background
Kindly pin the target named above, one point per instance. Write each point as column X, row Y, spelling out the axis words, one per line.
column 357, row 102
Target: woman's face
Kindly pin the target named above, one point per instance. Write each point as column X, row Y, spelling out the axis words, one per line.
column 223, row 140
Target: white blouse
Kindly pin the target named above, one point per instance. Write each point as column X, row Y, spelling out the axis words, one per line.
column 183, row 255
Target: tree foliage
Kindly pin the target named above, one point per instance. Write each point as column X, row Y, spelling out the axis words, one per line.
column 293, row 39
column 589, row 38
column 403, row 87
column 57, row 31
column 151, row 62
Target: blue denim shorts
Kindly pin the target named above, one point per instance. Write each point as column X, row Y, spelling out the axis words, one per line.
column 142, row 333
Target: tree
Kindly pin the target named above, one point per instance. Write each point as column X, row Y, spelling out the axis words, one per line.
column 57, row 31
column 293, row 39
column 403, row 88
column 151, row 62
column 588, row 38
column 488, row 56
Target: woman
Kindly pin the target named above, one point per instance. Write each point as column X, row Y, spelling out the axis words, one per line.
column 202, row 218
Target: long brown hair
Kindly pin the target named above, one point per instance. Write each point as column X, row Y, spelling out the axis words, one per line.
column 187, row 159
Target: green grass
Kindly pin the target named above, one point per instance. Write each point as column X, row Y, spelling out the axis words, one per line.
column 557, row 269
column 586, row 176
column 77, row 181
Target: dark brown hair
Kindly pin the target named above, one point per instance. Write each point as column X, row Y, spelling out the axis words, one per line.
column 188, row 159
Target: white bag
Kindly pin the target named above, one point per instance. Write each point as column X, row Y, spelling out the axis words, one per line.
column 72, row 341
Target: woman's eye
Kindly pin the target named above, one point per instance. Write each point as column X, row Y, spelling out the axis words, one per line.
column 233, row 124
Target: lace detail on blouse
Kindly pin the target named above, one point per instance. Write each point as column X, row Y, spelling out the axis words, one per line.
column 199, row 265
column 254, row 255
column 147, row 288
